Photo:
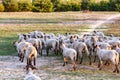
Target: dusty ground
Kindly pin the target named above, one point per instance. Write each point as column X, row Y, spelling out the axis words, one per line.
column 50, row 68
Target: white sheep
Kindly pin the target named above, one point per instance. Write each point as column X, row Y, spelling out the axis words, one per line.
column 52, row 44
column 30, row 76
column 21, row 48
column 111, row 55
column 69, row 53
column 81, row 47
column 102, row 45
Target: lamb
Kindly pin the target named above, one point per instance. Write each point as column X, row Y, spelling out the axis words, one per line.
column 31, row 76
column 111, row 55
column 81, row 47
column 69, row 53
column 31, row 52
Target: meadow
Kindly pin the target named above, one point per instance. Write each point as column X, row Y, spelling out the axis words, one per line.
column 50, row 68
column 15, row 23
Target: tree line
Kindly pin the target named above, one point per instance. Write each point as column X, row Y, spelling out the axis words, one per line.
column 58, row 5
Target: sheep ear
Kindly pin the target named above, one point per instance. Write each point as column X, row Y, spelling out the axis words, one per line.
column 70, row 37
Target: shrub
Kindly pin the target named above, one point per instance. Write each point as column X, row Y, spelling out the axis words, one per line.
column 71, row 5
column 42, row 6
column 85, row 4
column 1, row 7
column 10, row 5
column 25, row 5
column 101, row 6
column 118, row 7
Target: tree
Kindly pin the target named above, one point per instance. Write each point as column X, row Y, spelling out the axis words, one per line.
column 10, row 5
column 1, row 7
column 85, row 4
column 25, row 5
column 42, row 6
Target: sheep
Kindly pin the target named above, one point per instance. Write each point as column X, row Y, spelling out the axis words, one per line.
column 52, row 43
column 69, row 53
column 98, row 33
column 21, row 37
column 37, row 43
column 36, row 34
column 30, row 53
column 102, row 45
column 111, row 55
column 114, row 43
column 21, row 48
column 80, row 47
column 30, row 76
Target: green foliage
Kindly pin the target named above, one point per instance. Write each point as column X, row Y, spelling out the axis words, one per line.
column 85, row 4
column 25, row 5
column 1, row 8
column 102, row 6
column 10, row 5
column 42, row 6
column 118, row 7
column 70, row 5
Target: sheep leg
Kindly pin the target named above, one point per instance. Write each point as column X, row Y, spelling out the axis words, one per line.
column 99, row 64
column 65, row 60
column 27, row 67
column 81, row 60
column 41, row 52
column 22, row 58
column 94, row 58
column 107, row 63
column 100, row 68
column 116, row 68
column 47, row 50
column 74, row 65
column 34, row 61
column 90, row 59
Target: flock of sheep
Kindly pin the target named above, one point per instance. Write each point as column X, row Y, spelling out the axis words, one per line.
column 72, row 46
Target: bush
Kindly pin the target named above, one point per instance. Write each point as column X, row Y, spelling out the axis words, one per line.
column 25, row 5
column 71, row 5
column 85, row 4
column 10, row 5
column 42, row 6
column 1, row 7
column 100, row 6
column 118, row 7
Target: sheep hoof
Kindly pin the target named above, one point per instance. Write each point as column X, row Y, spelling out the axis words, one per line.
column 90, row 63
column 63, row 64
column 34, row 68
column 100, row 69
column 74, row 68
column 117, row 71
column 114, row 71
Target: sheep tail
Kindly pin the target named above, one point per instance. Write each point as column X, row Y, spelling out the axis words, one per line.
column 117, row 58
column 86, row 50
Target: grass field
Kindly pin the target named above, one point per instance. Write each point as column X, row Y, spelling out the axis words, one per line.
column 50, row 68
column 12, row 24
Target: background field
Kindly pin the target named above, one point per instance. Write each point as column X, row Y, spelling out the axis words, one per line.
column 50, row 68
